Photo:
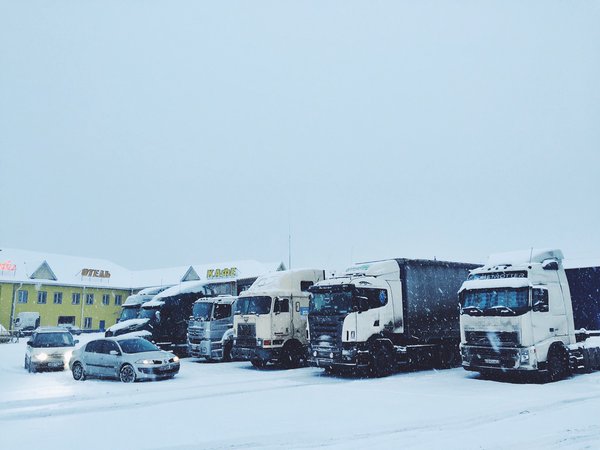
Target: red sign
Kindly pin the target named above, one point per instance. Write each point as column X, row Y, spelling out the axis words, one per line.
column 8, row 265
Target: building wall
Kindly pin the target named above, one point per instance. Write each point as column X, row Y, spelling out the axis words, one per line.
column 50, row 312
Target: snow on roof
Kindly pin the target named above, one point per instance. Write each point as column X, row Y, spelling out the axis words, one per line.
column 535, row 255
column 18, row 266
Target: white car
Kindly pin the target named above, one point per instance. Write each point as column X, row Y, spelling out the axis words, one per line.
column 49, row 348
column 126, row 358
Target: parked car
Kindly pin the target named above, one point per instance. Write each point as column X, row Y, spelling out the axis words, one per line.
column 26, row 331
column 49, row 348
column 73, row 329
column 126, row 358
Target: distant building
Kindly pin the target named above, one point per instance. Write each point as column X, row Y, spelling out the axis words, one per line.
column 89, row 292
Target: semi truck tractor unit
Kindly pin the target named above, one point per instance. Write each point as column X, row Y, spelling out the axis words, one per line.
column 163, row 320
column 270, row 318
column 523, row 312
column 210, row 330
column 380, row 315
column 132, row 305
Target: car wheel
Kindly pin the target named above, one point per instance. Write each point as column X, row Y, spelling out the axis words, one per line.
column 78, row 371
column 26, row 364
column 31, row 367
column 127, row 374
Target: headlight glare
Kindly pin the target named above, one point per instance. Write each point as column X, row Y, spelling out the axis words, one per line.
column 41, row 356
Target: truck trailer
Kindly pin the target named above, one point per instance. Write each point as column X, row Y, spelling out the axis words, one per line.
column 523, row 312
column 210, row 329
column 381, row 315
column 270, row 318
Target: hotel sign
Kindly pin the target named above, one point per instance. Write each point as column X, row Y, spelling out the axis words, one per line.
column 229, row 272
column 95, row 273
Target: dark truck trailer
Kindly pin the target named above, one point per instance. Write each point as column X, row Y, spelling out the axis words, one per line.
column 383, row 314
column 584, row 285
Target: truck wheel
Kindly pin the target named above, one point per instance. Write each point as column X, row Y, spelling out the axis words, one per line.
column 291, row 357
column 383, row 363
column 258, row 363
column 557, row 365
column 227, row 351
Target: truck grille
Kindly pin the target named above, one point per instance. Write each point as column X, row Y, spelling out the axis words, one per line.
column 195, row 335
column 246, row 335
column 492, row 338
column 482, row 357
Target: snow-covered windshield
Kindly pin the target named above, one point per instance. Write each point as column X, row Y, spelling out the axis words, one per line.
column 137, row 345
column 495, row 302
column 202, row 311
column 129, row 313
column 53, row 340
column 332, row 300
column 253, row 305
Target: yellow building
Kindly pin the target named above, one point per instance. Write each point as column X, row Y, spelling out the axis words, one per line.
column 89, row 292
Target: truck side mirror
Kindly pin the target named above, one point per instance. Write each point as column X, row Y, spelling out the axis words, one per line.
column 277, row 306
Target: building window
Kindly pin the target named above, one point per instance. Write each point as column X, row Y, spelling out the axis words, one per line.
column 76, row 298
column 58, row 298
column 105, row 299
column 23, row 296
column 42, row 296
column 89, row 299
column 87, row 323
column 118, row 299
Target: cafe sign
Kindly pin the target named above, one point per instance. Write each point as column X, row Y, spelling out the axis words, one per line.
column 229, row 272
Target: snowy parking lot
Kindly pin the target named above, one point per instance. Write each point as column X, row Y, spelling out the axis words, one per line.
column 232, row 405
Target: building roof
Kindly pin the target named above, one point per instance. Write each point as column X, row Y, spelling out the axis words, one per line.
column 24, row 266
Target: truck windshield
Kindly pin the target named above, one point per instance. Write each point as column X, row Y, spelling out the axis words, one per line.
column 148, row 313
column 253, row 305
column 202, row 310
column 331, row 301
column 495, row 302
column 129, row 313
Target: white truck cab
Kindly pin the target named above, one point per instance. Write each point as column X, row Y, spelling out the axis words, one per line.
column 270, row 318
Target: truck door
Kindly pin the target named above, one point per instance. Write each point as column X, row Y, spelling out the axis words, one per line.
column 282, row 321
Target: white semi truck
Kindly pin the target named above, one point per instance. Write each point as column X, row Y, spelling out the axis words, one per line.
column 210, row 329
column 270, row 318
column 380, row 315
column 523, row 312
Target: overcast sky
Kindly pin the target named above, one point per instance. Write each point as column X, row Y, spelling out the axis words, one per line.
column 162, row 133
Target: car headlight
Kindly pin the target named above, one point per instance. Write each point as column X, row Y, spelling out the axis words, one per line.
column 144, row 361
column 41, row 356
column 175, row 358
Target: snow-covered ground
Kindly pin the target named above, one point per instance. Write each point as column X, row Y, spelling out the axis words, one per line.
column 232, row 405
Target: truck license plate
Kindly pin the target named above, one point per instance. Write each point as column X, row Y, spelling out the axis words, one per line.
column 492, row 361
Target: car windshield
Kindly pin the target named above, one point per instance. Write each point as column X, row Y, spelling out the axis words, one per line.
column 53, row 340
column 253, row 305
column 202, row 310
column 332, row 300
column 495, row 302
column 129, row 313
column 138, row 345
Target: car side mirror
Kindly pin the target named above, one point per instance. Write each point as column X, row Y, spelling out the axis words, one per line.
column 30, row 343
column 76, row 341
column 114, row 353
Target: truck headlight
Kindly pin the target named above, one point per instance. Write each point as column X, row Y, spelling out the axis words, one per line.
column 41, row 356
column 524, row 356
